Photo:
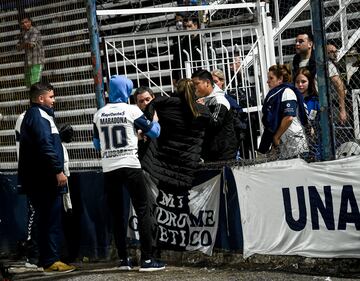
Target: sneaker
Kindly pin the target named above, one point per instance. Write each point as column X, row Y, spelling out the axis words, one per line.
column 151, row 265
column 125, row 264
column 59, row 267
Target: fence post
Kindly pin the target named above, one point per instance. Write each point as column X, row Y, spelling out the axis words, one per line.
column 327, row 131
column 95, row 52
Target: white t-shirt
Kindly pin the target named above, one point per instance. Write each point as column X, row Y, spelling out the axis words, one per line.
column 118, row 138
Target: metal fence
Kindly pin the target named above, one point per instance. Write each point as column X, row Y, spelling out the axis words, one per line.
column 143, row 47
column 343, row 53
column 158, row 60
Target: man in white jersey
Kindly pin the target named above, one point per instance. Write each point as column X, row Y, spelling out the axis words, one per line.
column 115, row 127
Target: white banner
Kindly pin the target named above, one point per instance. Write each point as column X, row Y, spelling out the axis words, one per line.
column 187, row 220
column 295, row 208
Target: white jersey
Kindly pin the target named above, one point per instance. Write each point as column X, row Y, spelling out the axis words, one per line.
column 114, row 124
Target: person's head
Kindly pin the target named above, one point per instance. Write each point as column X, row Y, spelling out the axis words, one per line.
column 204, row 83
column 186, row 88
column 43, row 94
column 331, row 52
column 143, row 96
column 26, row 23
column 192, row 23
column 278, row 74
column 219, row 78
column 179, row 22
column 305, row 82
column 120, row 88
column 304, row 43
column 236, row 64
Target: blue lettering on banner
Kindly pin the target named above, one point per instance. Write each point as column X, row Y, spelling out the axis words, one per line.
column 325, row 208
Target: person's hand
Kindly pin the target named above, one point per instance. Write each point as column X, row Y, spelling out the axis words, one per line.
column 342, row 116
column 201, row 101
column 276, row 141
column 155, row 117
column 61, row 179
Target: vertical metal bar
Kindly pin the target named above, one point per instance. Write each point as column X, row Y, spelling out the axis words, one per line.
column 123, row 55
column 95, row 52
column 136, row 64
column 258, row 89
column 147, row 60
column 170, row 65
column 262, row 33
column 116, row 59
column 108, row 74
column 355, row 100
column 343, row 24
column 158, row 61
column 327, row 131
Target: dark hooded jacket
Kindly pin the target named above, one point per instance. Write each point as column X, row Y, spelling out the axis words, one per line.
column 174, row 157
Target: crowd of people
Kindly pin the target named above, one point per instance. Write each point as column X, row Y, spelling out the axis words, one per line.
column 168, row 137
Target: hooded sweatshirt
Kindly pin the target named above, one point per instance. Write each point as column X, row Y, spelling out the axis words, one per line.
column 116, row 125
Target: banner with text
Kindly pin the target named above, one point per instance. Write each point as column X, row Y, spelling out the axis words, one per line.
column 185, row 220
column 295, row 208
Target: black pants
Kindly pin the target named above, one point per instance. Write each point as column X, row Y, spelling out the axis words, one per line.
column 48, row 206
column 134, row 180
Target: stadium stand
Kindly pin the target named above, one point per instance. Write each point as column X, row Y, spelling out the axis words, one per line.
column 68, row 67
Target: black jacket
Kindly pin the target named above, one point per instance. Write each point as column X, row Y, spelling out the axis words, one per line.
column 311, row 65
column 41, row 154
column 220, row 141
column 174, row 157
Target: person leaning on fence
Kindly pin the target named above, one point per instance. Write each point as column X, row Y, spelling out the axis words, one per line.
column 338, row 89
column 190, row 43
column 115, row 134
column 304, row 57
column 306, row 85
column 41, row 174
column 284, row 116
column 219, row 142
column 30, row 41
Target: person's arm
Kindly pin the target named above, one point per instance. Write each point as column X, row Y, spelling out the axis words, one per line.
column 288, row 110
column 218, row 116
column 340, row 89
column 96, row 138
column 21, row 43
column 150, row 129
column 284, row 125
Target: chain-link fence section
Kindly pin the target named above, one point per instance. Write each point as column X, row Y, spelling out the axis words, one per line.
column 342, row 50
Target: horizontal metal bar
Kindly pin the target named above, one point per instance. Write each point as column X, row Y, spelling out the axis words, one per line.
column 141, row 11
